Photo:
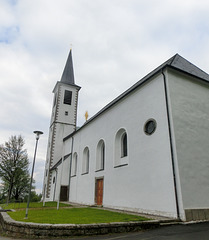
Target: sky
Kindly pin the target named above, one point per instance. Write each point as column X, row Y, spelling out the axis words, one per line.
column 114, row 44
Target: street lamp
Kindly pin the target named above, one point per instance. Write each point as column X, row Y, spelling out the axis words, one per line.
column 38, row 133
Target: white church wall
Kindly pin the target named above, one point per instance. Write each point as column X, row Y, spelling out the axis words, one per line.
column 145, row 182
column 56, row 191
column 179, row 200
column 65, row 171
column 61, row 178
column 53, row 185
column 61, row 130
column 189, row 101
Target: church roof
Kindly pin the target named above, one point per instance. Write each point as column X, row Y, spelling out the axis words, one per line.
column 182, row 64
column 68, row 74
column 176, row 62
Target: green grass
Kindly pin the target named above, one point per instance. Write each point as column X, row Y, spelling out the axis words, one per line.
column 73, row 216
column 32, row 205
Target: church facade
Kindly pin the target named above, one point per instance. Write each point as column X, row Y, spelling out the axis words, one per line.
column 147, row 151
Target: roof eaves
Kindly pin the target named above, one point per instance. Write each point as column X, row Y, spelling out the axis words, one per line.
column 169, row 63
column 59, row 162
column 188, row 73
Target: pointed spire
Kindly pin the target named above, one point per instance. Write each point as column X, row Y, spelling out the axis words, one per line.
column 68, row 74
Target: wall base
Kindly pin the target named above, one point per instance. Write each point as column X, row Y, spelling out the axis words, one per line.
column 196, row 214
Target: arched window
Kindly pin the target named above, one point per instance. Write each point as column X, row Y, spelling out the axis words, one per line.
column 85, row 164
column 100, row 156
column 121, row 148
column 74, row 164
column 124, row 148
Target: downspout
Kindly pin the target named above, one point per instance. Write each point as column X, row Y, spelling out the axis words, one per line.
column 171, row 145
column 71, row 157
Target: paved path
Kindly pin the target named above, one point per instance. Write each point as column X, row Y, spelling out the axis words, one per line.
column 176, row 232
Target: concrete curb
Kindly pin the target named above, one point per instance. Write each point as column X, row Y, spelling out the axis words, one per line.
column 35, row 230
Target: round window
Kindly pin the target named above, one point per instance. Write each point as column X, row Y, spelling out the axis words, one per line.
column 150, row 126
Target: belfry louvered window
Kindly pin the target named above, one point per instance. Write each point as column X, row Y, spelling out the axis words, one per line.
column 67, row 97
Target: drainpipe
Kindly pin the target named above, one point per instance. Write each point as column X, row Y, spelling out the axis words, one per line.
column 71, row 157
column 171, row 145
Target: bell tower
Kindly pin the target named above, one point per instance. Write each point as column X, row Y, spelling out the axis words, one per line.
column 63, row 120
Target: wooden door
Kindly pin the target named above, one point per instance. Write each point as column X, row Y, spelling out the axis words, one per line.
column 99, row 191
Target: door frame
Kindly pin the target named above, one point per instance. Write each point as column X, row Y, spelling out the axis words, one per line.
column 95, row 192
column 65, row 196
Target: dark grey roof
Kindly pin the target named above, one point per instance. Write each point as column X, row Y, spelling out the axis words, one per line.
column 68, row 74
column 182, row 64
column 176, row 62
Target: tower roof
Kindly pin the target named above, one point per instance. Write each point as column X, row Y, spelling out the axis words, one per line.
column 68, row 74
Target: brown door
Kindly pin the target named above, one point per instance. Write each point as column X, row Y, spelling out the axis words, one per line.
column 99, row 191
column 64, row 193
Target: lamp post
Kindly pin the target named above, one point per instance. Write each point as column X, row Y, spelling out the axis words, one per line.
column 38, row 133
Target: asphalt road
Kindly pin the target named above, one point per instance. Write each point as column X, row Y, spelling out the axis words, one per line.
column 198, row 231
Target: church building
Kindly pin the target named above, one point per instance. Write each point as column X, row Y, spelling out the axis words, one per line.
column 147, row 151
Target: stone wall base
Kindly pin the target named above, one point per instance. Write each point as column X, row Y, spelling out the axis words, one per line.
column 196, row 214
column 35, row 230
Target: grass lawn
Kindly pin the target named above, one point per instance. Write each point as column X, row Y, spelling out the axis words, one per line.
column 32, row 205
column 73, row 215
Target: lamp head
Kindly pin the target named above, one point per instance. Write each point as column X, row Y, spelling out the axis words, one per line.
column 38, row 133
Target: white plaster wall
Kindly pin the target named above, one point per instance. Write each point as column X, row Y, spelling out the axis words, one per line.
column 65, row 171
column 58, row 183
column 62, row 178
column 70, row 119
column 53, row 186
column 190, row 110
column 64, row 124
column 146, row 183
column 61, row 132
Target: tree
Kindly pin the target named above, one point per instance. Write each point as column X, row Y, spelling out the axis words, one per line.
column 14, row 168
column 34, row 197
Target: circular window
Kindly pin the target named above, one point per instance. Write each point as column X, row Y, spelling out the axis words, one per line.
column 54, row 180
column 150, row 126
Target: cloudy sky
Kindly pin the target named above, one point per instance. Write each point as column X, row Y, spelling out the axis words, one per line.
column 115, row 43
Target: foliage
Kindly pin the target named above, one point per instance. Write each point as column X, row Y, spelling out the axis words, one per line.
column 73, row 216
column 14, row 168
column 34, row 197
